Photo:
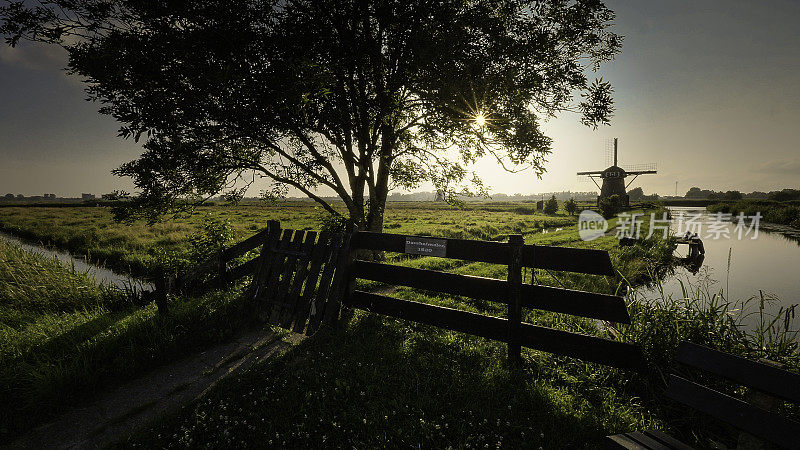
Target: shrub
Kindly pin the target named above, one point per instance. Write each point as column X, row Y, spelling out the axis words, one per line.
column 213, row 237
column 551, row 206
column 610, row 206
column 570, row 206
column 332, row 223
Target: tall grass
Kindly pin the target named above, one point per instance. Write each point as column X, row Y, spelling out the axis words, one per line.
column 63, row 336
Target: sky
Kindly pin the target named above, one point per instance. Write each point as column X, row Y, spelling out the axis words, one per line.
column 707, row 90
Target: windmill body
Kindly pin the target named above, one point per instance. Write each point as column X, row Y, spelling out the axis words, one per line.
column 613, row 179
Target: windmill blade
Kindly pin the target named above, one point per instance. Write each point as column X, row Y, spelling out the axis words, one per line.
column 641, row 168
column 586, row 177
column 609, row 152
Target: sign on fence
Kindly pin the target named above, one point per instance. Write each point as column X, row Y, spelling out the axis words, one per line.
column 416, row 245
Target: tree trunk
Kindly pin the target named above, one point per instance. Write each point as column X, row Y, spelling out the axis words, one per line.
column 375, row 218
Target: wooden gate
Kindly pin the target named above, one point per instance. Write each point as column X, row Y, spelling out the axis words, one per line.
column 294, row 277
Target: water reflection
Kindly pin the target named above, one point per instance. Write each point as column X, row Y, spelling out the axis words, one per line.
column 101, row 274
column 740, row 269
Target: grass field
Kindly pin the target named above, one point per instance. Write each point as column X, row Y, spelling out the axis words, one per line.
column 374, row 381
column 140, row 249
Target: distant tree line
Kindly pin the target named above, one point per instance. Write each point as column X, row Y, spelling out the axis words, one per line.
column 781, row 196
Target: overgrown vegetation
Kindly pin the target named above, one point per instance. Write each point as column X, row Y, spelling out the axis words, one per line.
column 610, row 206
column 63, row 336
column 375, row 381
column 784, row 213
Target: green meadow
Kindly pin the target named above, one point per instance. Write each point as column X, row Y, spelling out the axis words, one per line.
column 372, row 381
column 140, row 249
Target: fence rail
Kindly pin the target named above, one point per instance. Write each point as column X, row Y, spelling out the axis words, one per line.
column 588, row 261
column 302, row 278
column 512, row 291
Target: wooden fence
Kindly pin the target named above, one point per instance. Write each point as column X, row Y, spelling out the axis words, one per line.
column 512, row 291
column 301, row 279
column 220, row 266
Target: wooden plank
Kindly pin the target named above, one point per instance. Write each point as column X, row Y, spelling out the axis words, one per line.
column 667, row 440
column 342, row 283
column 578, row 260
column 515, row 243
column 645, row 440
column 270, row 285
column 265, row 260
column 471, row 250
column 756, row 421
column 763, row 377
column 578, row 303
column 560, row 342
column 244, row 246
column 293, row 297
column 581, row 346
column 317, row 259
column 289, row 267
column 431, row 280
column 324, row 288
column 488, row 327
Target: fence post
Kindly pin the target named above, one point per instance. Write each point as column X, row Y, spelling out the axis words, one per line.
column 264, row 259
column 515, row 244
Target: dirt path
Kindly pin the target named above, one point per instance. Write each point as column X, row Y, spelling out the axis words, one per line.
column 119, row 411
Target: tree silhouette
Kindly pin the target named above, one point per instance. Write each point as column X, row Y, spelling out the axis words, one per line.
column 570, row 206
column 352, row 98
column 551, row 205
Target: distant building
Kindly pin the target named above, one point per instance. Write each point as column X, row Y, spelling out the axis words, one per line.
column 50, row 196
column 87, row 196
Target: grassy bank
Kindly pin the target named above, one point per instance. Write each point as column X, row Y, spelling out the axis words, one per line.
column 140, row 249
column 63, row 336
column 784, row 213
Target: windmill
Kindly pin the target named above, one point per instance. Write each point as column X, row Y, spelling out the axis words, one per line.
column 614, row 178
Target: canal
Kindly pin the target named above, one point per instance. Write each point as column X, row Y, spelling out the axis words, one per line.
column 101, row 274
column 741, row 268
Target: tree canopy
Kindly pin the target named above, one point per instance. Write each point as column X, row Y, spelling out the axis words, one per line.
column 353, row 97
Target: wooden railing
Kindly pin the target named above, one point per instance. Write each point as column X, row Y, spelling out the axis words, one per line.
column 219, row 266
column 511, row 292
column 302, row 279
